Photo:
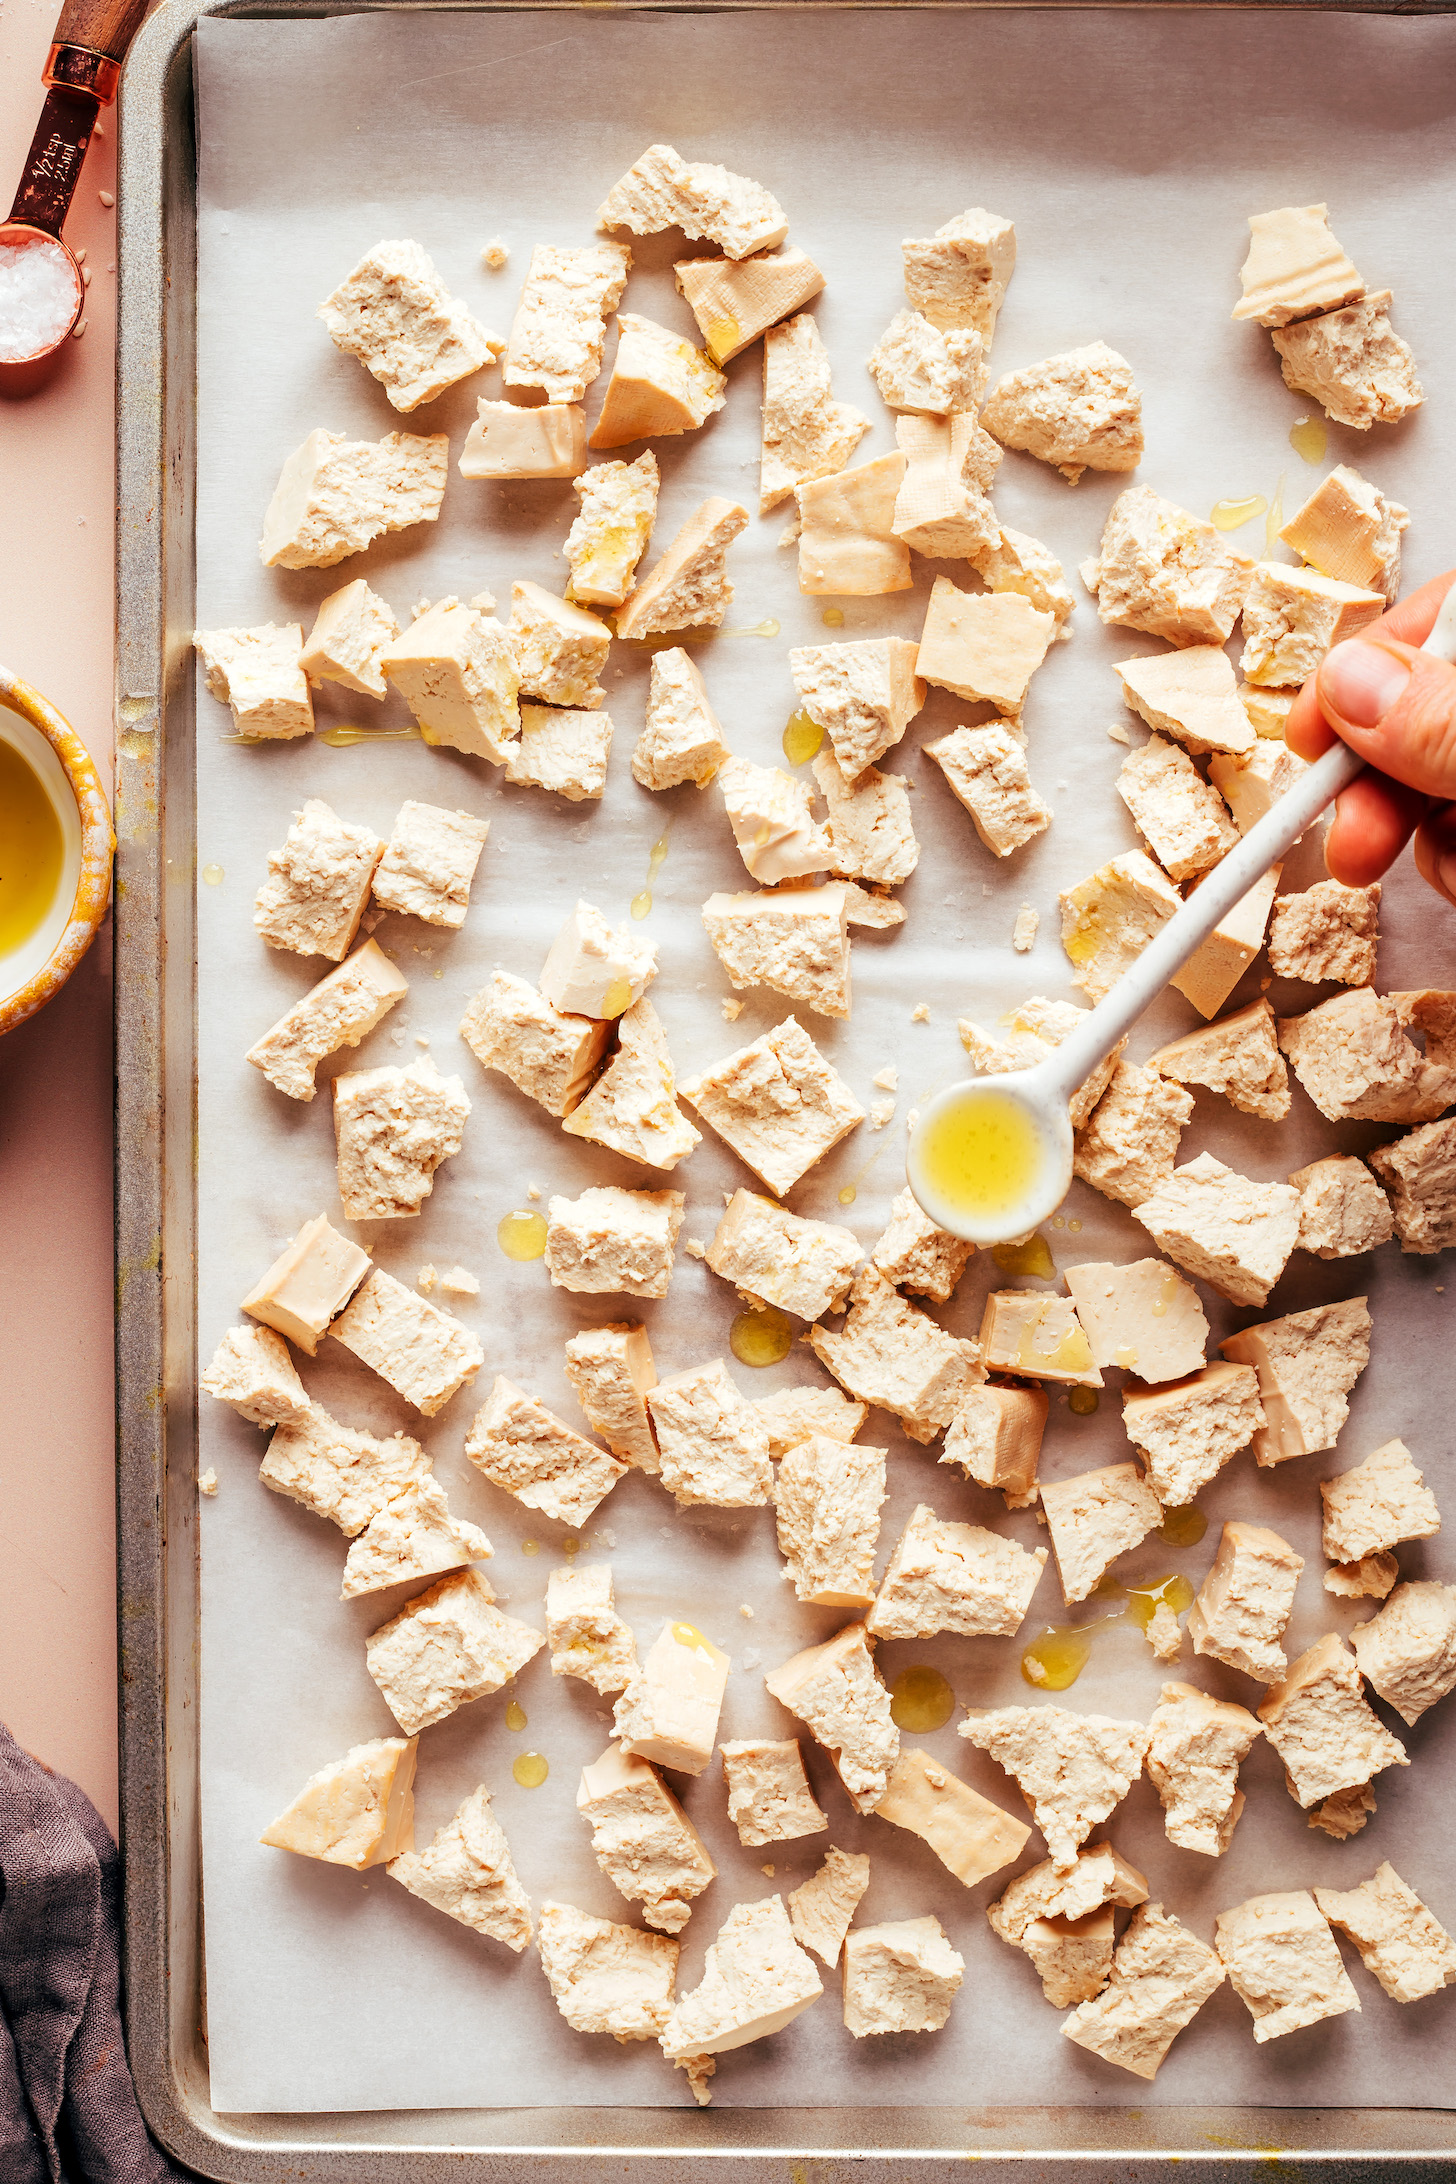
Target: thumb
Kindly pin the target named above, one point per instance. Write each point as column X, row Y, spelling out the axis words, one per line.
column 1396, row 706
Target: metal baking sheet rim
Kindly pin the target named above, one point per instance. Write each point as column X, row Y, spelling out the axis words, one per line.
column 156, row 1401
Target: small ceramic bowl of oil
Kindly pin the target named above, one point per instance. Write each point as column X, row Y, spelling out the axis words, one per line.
column 56, row 848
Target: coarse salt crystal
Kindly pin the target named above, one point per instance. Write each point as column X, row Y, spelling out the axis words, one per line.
column 38, row 297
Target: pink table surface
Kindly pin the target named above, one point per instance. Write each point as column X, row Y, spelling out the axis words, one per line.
column 57, row 1415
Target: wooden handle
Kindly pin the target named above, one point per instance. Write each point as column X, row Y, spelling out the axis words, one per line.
column 106, row 26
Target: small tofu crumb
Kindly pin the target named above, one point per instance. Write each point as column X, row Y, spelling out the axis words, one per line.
column 920, row 1014
column 207, row 1482
column 1023, row 932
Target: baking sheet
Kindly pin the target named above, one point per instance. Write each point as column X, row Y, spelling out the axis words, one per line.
column 1129, row 149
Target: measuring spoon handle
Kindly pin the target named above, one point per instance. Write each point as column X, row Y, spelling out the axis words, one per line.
column 102, row 26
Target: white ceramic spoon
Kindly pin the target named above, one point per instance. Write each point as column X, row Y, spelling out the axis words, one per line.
column 1019, row 1124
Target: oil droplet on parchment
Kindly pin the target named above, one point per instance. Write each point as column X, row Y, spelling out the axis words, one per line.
column 531, row 1770
column 921, row 1699
column 522, row 1235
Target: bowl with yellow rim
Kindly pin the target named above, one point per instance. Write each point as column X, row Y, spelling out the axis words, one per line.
column 56, row 847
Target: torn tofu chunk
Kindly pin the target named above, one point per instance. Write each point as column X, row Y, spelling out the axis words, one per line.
column 1097, row 1875
column 611, row 1370
column 412, row 1536
column 449, row 1645
column 259, row 674
column 252, row 1370
column 689, row 587
column 1016, row 562
column 1223, row 1228
column 308, row 1284
column 957, row 1577
column 560, row 322
column 734, row 301
column 709, row 203
column 1294, row 268
column 756, row 1979
column 1078, row 411
column 900, row 1976
column 1072, row 1769
column 822, row 1909
column 350, row 630
column 914, row 1254
column 1029, row 1332
column 1188, row 1430
column 632, row 1108
column 798, row 1414
column 806, row 433
column 456, row 671
column 1344, row 1813
column 1190, row 695
column 335, row 496
column 430, row 862
column 563, row 749
column 1244, row 1602
column 1215, row 968
column 669, row 1712
column 836, row 1691
column 863, row 695
column 1321, row 1725
column 529, row 1454
column 777, row 1104
column 592, row 970
column 827, row 1497
column 1357, row 1061
column 987, row 773
column 1328, row 932
column 1307, row 1364
column 1293, row 616
column 610, row 534
column 971, row 1837
column 1381, row 1502
column 607, row 1978
column 1371, row 1578
column 1354, row 364
column 508, row 441
column 869, row 830
column 397, row 316
column 1407, row 1652
column 847, row 542
column 1109, row 918
column 661, row 386
column 1400, row 1942
column 1419, row 1173
column 1196, row 1744
column 682, row 739
column 338, row 1473
column 1161, row 1977
column 769, row 812
column 1027, row 1036
column 712, row 1445
column 1162, row 570
column 357, row 1812
column 995, row 1437
column 1283, row 1962
column 424, row 1354
column 587, row 1636
column 560, row 649
column 1183, row 820
column 548, row 1055
column 1093, row 1519
column 1143, row 1317
column 984, row 646
column 776, row 1257
column 1072, row 1957
column 642, row 1839
column 1238, row 1056
column 393, row 1129
column 468, row 1873
column 1127, row 1146
column 1347, row 529
column 890, row 1354
column 1268, row 710
column 942, row 509
column 918, row 367
column 1252, row 782
column 769, row 1798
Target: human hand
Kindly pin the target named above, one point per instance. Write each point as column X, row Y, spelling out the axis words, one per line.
column 1396, row 706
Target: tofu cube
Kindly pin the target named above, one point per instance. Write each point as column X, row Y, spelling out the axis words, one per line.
column 1268, row 710
column 1128, row 1145
column 959, row 275
column 396, row 315
column 430, row 862
column 394, row 1127
column 942, row 508
column 642, row 1839
column 660, row 386
column 836, row 1691
column 669, row 1711
column 863, row 695
column 358, row 1812
column 586, row 1635
column 259, row 674
column 899, row 1976
column 1195, row 1749
column 1016, row 562
column 632, row 1107
column 827, row 1497
column 607, row 1978
column 412, row 1536
column 1161, row 1977
column 1072, row 1769
column 1223, row 1228
column 869, row 829
column 957, row 1577
column 1407, row 1652
column 776, row 1103
column 983, row 646
column 1183, row 820
column 1399, row 1940
column 457, row 673
column 507, row 441
column 996, row 1436
column 793, row 1415
column 1097, row 1877
column 1214, row 969
column 1371, row 1578
column 914, row 1254
column 468, row 1873
column 709, row 203
column 769, row 1798
column 773, row 825
column 343, row 1008
column 548, row 1055
column 971, row 1837
column 1078, row 411
column 1243, row 1604
column 559, row 648
column 1347, row 529
column 1238, row 1056
column 1419, row 1174
column 823, row 1907
column 1283, row 1961
column 1035, row 1334
column 793, row 939
column 683, row 738
column 309, row 1283
column 778, row 1258
column 1353, row 363
column 689, row 587
column 610, row 1239
column 1188, row 1430
column 1306, row 1364
column 560, row 322
column 252, row 1370
column 1320, row 1724
column 1356, row 1060
column 890, row 1354
column 1328, row 932
column 1109, row 918
column 1294, row 267
column 318, row 884
column 1252, row 782
column 734, row 301
column 847, row 542
column 712, row 1444
column 449, row 1645
column 918, row 367
column 806, row 433
column 424, row 1354
column 1190, row 695
column 1382, row 1501
column 610, row 534
column 337, row 1473
column 527, row 1452
column 563, row 749
column 1293, row 616
column 1142, row 1316
column 350, row 630
column 1072, row 1957
column 594, row 971
column 1093, row 1519
column 1162, row 570
column 756, row 1979
column 611, row 1370
column 336, row 496
column 987, row 772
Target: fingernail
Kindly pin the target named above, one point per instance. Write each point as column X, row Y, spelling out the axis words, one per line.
column 1362, row 682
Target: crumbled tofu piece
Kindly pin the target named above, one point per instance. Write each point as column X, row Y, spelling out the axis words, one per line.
column 449, row 1645
column 468, row 1873
column 430, row 862
column 1345, row 1813
column 863, row 695
column 917, row 367
column 587, row 1636
column 1356, row 1059
column 792, row 939
column 1293, row 616
column 822, row 1908
column 735, row 302
column 959, row 275
column 1329, row 932
column 642, row 1839
column 709, row 203
column 1307, row 1364
column 1079, row 411
column 1196, row 1744
column 358, row 1812
column 509, row 441
column 957, row 1577
column 776, row 1257
column 607, row 1978
column 1252, row 782
column 1399, row 1940
column 836, row 1691
column 1097, row 1875
column 456, row 671
column 335, row 496
column 1109, row 918
column 1190, row 695
column 1163, row 1632
column 900, row 1976
column 1093, row 1519
column 1071, row 1957
column 890, row 1354
column 1347, row 529
column 550, row 1056
column 610, row 534
column 1353, row 363
column 559, row 648
column 345, row 1476
column 632, row 1108
column 207, row 1482
column 1238, row 1056
column 1243, row 1604
column 1382, row 1501
column 1030, row 1332
column 985, row 646
column 1268, row 712
column 560, row 322
column 806, row 433
column 1034, row 1030
column 1023, row 932
column 798, row 1414
column 942, row 508
column 769, row 1798
column 1371, row 1578
column 1016, row 562
column 1143, row 1317
column 424, row 1354
column 563, row 749
column 995, row 1437
column 777, row 1103
column 259, row 674
column 827, row 1496
column 318, row 884
column 252, row 1370
column 1127, row 1146
column 611, row 1370
column 1072, row 1769
column 594, row 971
column 1214, row 969
column 1419, row 1172
column 869, row 829
column 1183, row 820
column 987, row 772
column 350, row 630
column 1223, row 1228
column 847, row 542
column 397, row 316
column 412, row 1536
column 689, row 587
column 1283, row 1961
column 773, row 825
column 756, row 1979
column 1161, row 1977
column 394, row 1127
column 1408, row 1650
column 914, row 1254
column 530, row 1454
column 669, row 1712
column 1321, row 1725
column 1162, row 570
column 1187, row 1431
column 661, row 386
column 712, row 1444
column 682, row 739
column 1294, row 267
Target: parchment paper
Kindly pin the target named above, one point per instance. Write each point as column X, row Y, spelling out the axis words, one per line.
column 1128, row 149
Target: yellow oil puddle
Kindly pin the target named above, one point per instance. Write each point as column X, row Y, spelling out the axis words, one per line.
column 920, row 1700
column 213, row 874
column 802, row 739
column 641, row 905
column 761, row 1337
column 522, row 1235
column 1309, row 438
column 531, row 1770
column 1232, row 515
column 343, row 735
column 515, row 1716
column 1055, row 1660
column 1033, row 1255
